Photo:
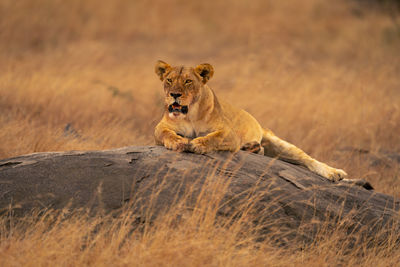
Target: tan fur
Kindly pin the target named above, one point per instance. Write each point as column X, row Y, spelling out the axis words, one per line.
column 212, row 125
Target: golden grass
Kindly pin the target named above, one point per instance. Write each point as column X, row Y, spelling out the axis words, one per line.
column 322, row 75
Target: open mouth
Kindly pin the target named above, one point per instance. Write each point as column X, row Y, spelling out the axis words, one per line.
column 176, row 108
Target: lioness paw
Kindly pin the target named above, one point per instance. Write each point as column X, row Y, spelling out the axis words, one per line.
column 253, row 147
column 337, row 174
column 329, row 172
column 177, row 144
column 199, row 146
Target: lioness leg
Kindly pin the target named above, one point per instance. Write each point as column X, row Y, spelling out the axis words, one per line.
column 216, row 141
column 167, row 137
column 276, row 147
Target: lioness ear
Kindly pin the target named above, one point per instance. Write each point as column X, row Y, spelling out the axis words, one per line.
column 205, row 70
column 162, row 68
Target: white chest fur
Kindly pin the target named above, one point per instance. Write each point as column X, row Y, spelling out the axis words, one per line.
column 193, row 129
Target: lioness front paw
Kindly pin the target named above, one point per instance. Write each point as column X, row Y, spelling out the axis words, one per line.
column 179, row 144
column 199, row 146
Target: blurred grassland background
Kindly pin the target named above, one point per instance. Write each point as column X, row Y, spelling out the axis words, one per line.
column 324, row 75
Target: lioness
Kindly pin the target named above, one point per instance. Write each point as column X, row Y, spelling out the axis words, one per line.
column 196, row 121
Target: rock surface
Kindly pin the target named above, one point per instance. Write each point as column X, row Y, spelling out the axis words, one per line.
column 288, row 201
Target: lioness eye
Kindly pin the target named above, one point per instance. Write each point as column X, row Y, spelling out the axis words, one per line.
column 188, row 81
column 169, row 81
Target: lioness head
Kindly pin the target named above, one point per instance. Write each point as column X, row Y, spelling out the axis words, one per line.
column 182, row 86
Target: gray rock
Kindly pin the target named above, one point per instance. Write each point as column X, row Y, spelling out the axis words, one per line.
column 288, row 201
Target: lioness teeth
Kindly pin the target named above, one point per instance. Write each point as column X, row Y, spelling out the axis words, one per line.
column 175, row 107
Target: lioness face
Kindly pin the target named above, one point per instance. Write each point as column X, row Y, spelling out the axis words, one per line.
column 182, row 86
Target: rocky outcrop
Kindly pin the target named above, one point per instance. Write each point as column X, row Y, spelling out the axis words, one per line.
column 283, row 196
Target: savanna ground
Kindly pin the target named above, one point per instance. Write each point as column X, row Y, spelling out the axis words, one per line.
column 79, row 75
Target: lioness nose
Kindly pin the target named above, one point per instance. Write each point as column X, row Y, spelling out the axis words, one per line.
column 175, row 95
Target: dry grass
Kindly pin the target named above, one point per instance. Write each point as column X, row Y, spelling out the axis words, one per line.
column 326, row 76
column 179, row 237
